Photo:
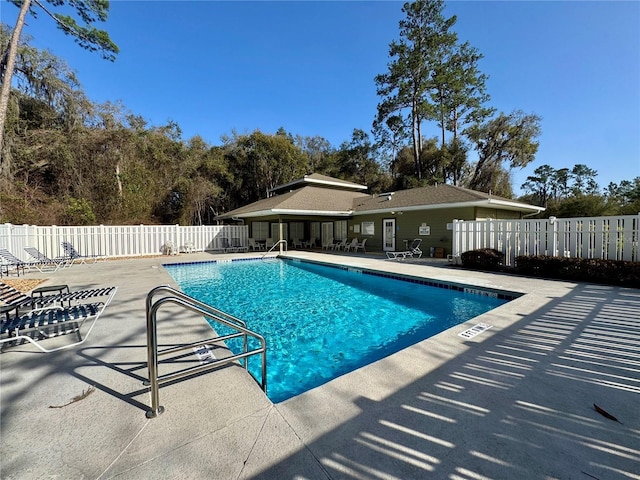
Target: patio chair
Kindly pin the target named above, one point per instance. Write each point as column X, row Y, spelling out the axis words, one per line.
column 73, row 254
column 414, row 249
column 311, row 243
column 353, row 244
column 269, row 243
column 253, row 245
column 46, row 262
column 341, row 244
column 52, row 322
column 328, row 243
column 297, row 243
column 361, row 246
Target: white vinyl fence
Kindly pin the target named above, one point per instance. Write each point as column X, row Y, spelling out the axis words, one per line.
column 608, row 238
column 117, row 241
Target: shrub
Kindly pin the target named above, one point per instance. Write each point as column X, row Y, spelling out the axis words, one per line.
column 610, row 272
column 483, row 259
column 79, row 212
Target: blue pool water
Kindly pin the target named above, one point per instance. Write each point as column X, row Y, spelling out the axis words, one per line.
column 321, row 322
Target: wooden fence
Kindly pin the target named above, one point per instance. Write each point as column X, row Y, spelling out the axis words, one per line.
column 116, row 241
column 610, row 238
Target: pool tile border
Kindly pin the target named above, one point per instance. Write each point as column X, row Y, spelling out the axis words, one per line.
column 482, row 291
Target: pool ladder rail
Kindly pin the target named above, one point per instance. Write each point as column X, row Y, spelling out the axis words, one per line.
column 279, row 242
column 176, row 297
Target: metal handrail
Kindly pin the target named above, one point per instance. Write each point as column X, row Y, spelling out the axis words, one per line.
column 274, row 246
column 179, row 298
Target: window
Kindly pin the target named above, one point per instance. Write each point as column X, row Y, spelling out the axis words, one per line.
column 260, row 230
column 368, row 228
column 340, row 230
column 296, row 230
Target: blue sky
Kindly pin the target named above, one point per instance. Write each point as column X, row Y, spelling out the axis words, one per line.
column 215, row 67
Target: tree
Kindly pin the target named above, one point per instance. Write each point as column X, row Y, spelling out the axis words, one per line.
column 87, row 36
column 540, row 184
column 318, row 151
column 506, row 139
column 584, row 180
column 355, row 162
column 425, row 42
column 432, row 77
column 259, row 162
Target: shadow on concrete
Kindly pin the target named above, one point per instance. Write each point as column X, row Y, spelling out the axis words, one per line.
column 519, row 404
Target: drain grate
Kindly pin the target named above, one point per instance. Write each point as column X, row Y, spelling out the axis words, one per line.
column 475, row 330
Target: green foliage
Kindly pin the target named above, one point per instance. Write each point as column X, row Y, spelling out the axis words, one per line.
column 575, row 193
column 483, row 259
column 78, row 212
column 431, row 77
column 611, row 272
column 506, row 141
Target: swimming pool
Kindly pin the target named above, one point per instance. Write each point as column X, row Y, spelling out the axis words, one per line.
column 320, row 321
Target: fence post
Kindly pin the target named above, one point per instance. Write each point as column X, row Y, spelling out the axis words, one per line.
column 554, row 236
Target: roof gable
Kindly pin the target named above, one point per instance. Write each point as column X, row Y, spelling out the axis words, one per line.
column 316, row 179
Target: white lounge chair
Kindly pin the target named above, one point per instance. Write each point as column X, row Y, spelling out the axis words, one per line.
column 414, row 250
column 53, row 322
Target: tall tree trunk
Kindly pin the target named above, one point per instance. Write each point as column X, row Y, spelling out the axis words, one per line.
column 5, row 167
column 415, row 134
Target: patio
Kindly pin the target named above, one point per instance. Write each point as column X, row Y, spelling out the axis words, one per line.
column 516, row 401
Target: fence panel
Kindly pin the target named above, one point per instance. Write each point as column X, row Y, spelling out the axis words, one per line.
column 612, row 237
column 116, row 240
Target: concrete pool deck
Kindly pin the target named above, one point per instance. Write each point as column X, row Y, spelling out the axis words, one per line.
column 516, row 401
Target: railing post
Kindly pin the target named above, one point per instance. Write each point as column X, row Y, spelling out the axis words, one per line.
column 152, row 360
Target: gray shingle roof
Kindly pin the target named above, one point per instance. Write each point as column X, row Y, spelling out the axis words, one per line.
column 305, row 199
column 444, row 195
column 312, row 200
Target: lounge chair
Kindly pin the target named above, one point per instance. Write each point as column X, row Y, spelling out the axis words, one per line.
column 11, row 261
column 237, row 244
column 46, row 296
column 46, row 262
column 52, row 322
column 361, row 246
column 353, row 244
column 414, row 250
column 227, row 247
column 71, row 252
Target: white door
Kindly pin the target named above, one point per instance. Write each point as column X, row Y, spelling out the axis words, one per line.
column 389, row 234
